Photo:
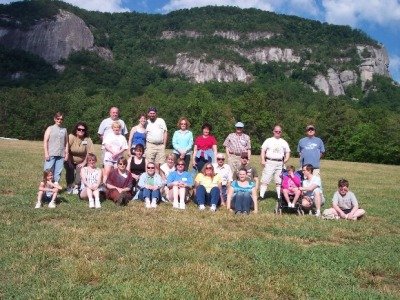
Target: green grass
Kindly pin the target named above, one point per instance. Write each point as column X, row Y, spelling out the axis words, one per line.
column 133, row 253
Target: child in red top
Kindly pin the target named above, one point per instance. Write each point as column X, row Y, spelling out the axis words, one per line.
column 290, row 187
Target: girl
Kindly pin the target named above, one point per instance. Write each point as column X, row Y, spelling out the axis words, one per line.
column 291, row 187
column 48, row 190
column 91, row 180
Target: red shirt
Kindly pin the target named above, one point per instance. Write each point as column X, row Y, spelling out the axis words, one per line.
column 205, row 143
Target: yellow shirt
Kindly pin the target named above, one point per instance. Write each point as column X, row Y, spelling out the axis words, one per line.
column 79, row 148
column 207, row 181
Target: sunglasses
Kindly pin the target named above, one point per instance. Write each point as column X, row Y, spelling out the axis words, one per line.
column 59, row 119
column 276, row 131
column 81, row 129
column 150, row 168
column 208, row 168
column 121, row 164
column 180, row 164
column 310, row 129
column 220, row 158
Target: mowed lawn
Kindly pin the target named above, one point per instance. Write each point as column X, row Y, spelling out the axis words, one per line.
column 129, row 252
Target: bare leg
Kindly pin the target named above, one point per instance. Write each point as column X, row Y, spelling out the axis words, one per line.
column 297, row 194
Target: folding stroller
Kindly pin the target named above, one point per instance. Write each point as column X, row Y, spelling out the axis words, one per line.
column 282, row 205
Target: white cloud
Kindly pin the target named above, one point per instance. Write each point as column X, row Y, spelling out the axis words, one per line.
column 394, row 67
column 352, row 12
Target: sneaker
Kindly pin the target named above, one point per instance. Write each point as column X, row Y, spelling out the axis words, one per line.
column 202, row 207
column 238, row 212
column 182, row 205
column 245, row 212
column 175, row 204
column 38, row 204
column 52, row 204
column 91, row 203
column 153, row 203
column 97, row 203
column 213, row 207
column 70, row 190
column 163, row 199
column 318, row 214
column 75, row 191
column 147, row 203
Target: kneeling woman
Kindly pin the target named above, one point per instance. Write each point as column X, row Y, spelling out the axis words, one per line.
column 119, row 183
column 150, row 184
column 242, row 194
column 208, row 187
column 90, row 182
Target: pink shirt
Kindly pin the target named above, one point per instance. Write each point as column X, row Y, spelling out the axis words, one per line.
column 289, row 183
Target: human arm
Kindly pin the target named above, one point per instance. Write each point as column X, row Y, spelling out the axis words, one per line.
column 214, row 148
column 194, row 155
column 131, row 133
column 286, row 157
column 229, row 198
column 46, row 143
column 263, row 150
column 254, row 198
column 66, row 148
column 165, row 138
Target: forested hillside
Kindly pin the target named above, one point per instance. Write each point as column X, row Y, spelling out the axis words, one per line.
column 363, row 124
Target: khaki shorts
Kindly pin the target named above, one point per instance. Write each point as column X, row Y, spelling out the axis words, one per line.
column 155, row 153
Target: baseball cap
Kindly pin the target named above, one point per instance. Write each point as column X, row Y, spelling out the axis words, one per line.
column 239, row 125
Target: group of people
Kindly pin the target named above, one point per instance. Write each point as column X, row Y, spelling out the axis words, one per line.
column 152, row 176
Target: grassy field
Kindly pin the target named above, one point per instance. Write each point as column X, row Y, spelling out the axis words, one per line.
column 134, row 253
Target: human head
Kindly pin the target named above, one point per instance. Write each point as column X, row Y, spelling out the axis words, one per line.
column 116, row 127
column 142, row 119
column 343, row 186
column 138, row 150
column 277, row 131
column 81, row 125
column 208, row 170
column 170, row 159
column 114, row 113
column 180, row 164
column 91, row 157
column 291, row 168
column 239, row 127
column 206, row 128
column 244, row 158
column 122, row 163
column 242, row 174
column 152, row 113
column 220, row 159
column 58, row 118
column 150, row 168
column 183, row 121
column 307, row 169
column 310, row 130
column 47, row 174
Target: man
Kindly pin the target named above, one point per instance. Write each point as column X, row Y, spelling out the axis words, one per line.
column 275, row 152
column 225, row 171
column 252, row 174
column 156, row 138
column 311, row 149
column 235, row 144
column 106, row 125
column 312, row 190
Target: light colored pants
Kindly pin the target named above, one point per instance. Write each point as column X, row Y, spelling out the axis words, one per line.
column 155, row 153
column 272, row 168
column 234, row 162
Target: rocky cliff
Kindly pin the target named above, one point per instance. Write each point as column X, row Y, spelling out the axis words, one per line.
column 54, row 39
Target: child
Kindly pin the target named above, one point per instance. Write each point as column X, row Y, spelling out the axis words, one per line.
column 344, row 204
column 91, row 180
column 290, row 186
column 47, row 190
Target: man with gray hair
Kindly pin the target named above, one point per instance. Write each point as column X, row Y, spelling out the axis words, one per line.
column 224, row 170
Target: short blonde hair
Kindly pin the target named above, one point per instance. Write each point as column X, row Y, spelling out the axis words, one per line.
column 116, row 124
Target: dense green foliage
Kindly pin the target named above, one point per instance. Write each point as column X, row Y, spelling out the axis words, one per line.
column 362, row 126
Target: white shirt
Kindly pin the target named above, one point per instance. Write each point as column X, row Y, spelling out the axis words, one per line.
column 105, row 127
column 155, row 131
column 225, row 172
column 275, row 148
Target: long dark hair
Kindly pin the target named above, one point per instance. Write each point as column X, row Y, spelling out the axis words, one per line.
column 80, row 123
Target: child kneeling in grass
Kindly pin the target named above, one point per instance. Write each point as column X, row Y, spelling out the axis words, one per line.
column 344, row 204
column 48, row 190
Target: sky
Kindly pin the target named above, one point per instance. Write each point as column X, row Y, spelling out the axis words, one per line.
column 380, row 19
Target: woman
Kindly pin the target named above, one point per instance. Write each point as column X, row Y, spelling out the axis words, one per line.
column 55, row 146
column 115, row 145
column 119, row 183
column 207, row 187
column 179, row 182
column 91, row 181
column 137, row 165
column 150, row 184
column 79, row 145
column 242, row 194
column 137, row 135
column 182, row 141
column 205, row 148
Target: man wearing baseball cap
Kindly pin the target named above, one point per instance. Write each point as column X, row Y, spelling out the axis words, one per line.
column 235, row 144
column 311, row 149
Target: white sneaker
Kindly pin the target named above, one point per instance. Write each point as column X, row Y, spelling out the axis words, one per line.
column 147, row 203
column 38, row 204
column 52, row 204
column 318, row 214
column 202, row 207
column 91, row 203
column 213, row 207
column 153, row 203
column 75, row 191
column 182, row 205
column 97, row 203
column 69, row 190
column 175, row 204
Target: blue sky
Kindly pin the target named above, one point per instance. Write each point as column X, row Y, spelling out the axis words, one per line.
column 380, row 19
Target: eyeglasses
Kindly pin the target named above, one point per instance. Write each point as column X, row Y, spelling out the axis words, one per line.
column 81, row 129
column 220, row 158
column 310, row 129
column 180, row 164
column 276, row 131
column 209, row 168
column 150, row 168
column 59, row 119
column 122, row 164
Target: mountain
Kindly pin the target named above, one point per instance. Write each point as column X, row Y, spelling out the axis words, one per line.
column 205, row 63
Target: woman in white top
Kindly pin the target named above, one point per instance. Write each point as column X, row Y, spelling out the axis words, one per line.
column 90, row 182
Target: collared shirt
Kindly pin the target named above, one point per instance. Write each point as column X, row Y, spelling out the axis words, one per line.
column 182, row 140
column 275, row 148
column 155, row 131
column 225, row 172
column 237, row 143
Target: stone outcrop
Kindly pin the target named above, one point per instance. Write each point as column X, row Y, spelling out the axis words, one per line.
column 54, row 39
column 260, row 35
column 375, row 62
column 231, row 35
column 169, row 34
column 200, row 71
column 335, row 83
column 268, row 54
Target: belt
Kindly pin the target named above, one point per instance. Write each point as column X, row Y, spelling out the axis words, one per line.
column 154, row 143
column 273, row 159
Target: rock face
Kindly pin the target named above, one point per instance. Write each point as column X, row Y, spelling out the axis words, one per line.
column 53, row 39
column 376, row 61
column 265, row 55
column 201, row 72
column 169, row 35
column 334, row 84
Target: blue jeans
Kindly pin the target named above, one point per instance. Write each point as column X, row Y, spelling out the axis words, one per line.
column 202, row 197
column 55, row 164
column 242, row 201
column 151, row 194
column 201, row 161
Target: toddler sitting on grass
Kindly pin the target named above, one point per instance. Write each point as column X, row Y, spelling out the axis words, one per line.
column 48, row 190
column 344, row 204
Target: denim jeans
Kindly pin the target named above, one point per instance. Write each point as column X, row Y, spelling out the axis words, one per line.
column 201, row 161
column 72, row 173
column 55, row 164
column 202, row 197
column 151, row 194
column 242, row 201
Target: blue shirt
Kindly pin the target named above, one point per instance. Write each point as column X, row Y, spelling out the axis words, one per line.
column 182, row 140
column 185, row 177
column 310, row 150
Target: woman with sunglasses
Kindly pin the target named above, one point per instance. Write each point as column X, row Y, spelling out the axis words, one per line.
column 79, row 145
column 208, row 188
column 182, row 141
column 55, row 144
column 119, row 183
column 179, row 182
column 150, row 184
